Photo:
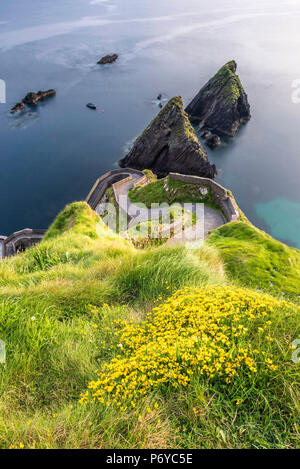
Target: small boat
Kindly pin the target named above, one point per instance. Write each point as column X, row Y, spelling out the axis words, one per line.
column 91, row 106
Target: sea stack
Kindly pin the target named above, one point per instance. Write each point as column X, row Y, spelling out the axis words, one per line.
column 221, row 106
column 169, row 144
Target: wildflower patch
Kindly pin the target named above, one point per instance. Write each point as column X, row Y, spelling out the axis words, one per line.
column 221, row 334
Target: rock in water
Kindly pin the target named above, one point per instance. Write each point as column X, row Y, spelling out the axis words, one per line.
column 108, row 59
column 222, row 104
column 169, row 144
column 33, row 98
column 17, row 108
column 213, row 141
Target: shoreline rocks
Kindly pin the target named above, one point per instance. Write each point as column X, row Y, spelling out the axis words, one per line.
column 169, row 144
column 221, row 106
column 108, row 59
column 32, row 99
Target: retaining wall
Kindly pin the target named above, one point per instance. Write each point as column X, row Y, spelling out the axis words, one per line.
column 107, row 180
column 21, row 240
column 119, row 184
column 143, row 181
column 220, row 194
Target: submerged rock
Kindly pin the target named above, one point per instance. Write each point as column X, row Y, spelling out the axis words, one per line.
column 169, row 144
column 108, row 59
column 32, row 99
column 222, row 104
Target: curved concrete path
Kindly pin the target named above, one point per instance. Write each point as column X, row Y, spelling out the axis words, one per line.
column 212, row 218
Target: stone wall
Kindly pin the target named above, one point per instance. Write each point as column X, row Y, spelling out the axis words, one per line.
column 107, row 180
column 20, row 241
column 119, row 184
column 220, row 194
column 2, row 239
column 143, row 181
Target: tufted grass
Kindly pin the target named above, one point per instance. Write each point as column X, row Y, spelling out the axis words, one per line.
column 55, row 341
column 253, row 258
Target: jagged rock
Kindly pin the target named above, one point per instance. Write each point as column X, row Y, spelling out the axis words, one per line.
column 169, row 144
column 159, row 97
column 222, row 104
column 108, row 59
column 18, row 107
column 32, row 99
column 213, row 141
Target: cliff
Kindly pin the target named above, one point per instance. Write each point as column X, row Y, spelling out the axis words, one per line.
column 222, row 104
column 169, row 144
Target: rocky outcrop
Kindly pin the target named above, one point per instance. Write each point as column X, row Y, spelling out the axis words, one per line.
column 32, row 99
column 169, row 144
column 17, row 108
column 108, row 59
column 222, row 104
column 213, row 141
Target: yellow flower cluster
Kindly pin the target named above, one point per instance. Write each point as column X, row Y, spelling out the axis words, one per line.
column 196, row 331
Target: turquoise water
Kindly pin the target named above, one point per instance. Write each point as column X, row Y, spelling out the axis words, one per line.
column 53, row 155
column 283, row 218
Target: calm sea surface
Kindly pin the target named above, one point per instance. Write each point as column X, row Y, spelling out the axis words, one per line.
column 173, row 47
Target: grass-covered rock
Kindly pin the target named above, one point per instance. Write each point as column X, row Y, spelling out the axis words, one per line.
column 221, row 106
column 169, row 144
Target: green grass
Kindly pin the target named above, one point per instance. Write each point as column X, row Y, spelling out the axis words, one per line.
column 231, row 86
column 156, row 232
column 55, row 339
column 170, row 191
column 253, row 258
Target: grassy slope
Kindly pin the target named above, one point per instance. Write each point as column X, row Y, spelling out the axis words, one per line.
column 256, row 260
column 56, row 340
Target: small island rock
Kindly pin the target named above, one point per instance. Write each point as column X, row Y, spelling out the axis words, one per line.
column 108, row 59
column 32, row 99
column 222, row 104
column 169, row 144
